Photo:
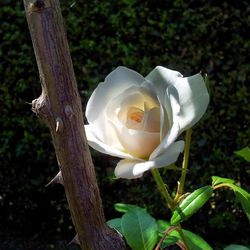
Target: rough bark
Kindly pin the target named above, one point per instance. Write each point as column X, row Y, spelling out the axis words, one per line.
column 59, row 106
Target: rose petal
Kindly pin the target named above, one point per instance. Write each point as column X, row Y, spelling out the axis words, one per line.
column 98, row 145
column 152, row 120
column 131, row 97
column 114, row 84
column 131, row 169
column 160, row 78
column 165, row 123
column 167, row 141
column 138, row 143
column 172, row 99
column 193, row 94
column 173, row 132
column 117, row 108
column 194, row 99
column 125, row 168
column 170, row 156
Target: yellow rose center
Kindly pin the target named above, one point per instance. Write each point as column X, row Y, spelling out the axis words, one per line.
column 135, row 115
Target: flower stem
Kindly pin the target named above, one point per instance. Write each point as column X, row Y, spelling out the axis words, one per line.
column 184, row 165
column 169, row 201
column 162, row 188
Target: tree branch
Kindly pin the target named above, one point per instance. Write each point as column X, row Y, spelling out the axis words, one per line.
column 59, row 106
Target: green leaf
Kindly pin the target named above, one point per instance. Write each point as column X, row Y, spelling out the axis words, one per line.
column 163, row 226
column 243, row 197
column 116, row 224
column 245, row 202
column 139, row 229
column 194, row 241
column 124, row 208
column 218, row 180
column 236, row 247
column 244, row 153
column 191, row 204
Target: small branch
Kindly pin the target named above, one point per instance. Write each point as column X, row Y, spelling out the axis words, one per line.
column 165, row 236
column 181, row 245
column 221, row 186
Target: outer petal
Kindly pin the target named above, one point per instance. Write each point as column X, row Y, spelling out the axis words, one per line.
column 166, row 142
column 172, row 99
column 131, row 169
column 194, row 99
column 125, row 168
column 114, row 84
column 100, row 146
column 192, row 92
column 160, row 78
column 170, row 156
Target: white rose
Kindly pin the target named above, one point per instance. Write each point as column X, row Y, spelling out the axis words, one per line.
column 139, row 119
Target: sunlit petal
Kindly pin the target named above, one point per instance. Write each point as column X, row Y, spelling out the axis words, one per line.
column 98, row 145
column 131, row 169
column 194, row 99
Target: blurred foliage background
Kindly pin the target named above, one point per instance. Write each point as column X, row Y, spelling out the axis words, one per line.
column 188, row 36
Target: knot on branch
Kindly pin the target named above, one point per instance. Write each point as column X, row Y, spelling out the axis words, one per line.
column 38, row 5
column 41, row 108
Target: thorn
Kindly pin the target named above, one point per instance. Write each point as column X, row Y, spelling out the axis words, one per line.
column 58, row 179
column 72, row 5
column 59, row 124
column 75, row 240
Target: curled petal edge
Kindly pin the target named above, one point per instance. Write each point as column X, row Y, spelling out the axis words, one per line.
column 106, row 90
column 194, row 99
column 98, row 145
column 132, row 169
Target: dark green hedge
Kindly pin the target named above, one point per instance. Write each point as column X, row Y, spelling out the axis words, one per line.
column 189, row 36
